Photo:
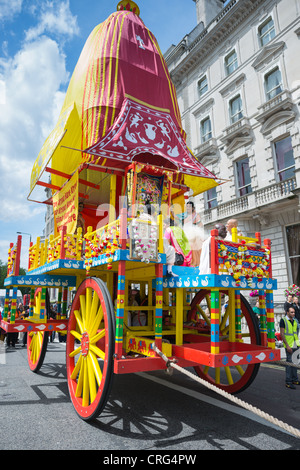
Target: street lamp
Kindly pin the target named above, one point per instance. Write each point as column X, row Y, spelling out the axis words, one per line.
column 24, row 233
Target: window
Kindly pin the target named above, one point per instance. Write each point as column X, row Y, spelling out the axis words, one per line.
column 235, row 109
column 211, row 198
column 273, row 83
column 243, row 177
column 202, row 86
column 266, row 32
column 285, row 158
column 293, row 239
column 231, row 63
column 205, row 130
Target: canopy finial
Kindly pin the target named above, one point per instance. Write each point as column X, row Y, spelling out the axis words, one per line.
column 128, row 5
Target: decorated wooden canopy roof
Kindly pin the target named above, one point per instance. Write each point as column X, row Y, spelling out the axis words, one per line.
column 121, row 106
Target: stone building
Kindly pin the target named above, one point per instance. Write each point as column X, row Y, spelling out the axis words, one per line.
column 237, row 76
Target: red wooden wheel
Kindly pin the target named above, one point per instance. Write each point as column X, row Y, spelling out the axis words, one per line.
column 90, row 348
column 231, row 379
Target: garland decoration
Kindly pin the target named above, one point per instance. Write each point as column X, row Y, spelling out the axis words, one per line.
column 292, row 290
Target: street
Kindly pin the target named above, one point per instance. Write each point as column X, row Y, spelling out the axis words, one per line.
column 153, row 412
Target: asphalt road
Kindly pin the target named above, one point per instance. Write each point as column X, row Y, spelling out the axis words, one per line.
column 153, row 412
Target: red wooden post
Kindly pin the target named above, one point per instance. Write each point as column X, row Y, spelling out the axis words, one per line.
column 267, row 243
column 123, row 228
column 18, row 256
column 214, row 266
column 62, row 242
column 258, row 237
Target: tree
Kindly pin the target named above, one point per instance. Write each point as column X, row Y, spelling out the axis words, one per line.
column 3, row 275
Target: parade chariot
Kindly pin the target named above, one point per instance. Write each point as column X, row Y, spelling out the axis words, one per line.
column 119, row 143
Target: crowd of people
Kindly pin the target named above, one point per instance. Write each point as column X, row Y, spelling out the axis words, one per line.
column 9, row 340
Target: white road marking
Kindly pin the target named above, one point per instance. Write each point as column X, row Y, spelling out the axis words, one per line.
column 212, row 401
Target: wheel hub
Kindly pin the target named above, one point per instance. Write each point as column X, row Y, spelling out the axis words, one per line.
column 85, row 343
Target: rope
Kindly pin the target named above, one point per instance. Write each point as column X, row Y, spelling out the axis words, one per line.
column 230, row 397
column 284, row 363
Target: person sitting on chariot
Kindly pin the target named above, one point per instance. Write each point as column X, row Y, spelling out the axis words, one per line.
column 176, row 246
column 232, row 223
column 80, row 219
column 148, row 213
column 204, row 266
column 193, row 228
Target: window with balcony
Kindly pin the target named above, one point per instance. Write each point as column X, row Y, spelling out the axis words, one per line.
column 266, row 32
column 273, row 83
column 205, row 130
column 202, row 86
column 293, row 239
column 231, row 63
column 211, row 198
column 243, row 177
column 235, row 109
column 285, row 159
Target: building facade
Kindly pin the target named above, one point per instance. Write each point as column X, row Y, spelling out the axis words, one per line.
column 237, row 76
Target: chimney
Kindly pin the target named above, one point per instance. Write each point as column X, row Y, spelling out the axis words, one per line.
column 207, row 10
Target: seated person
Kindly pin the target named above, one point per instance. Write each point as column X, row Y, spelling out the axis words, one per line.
column 232, row 223
column 193, row 228
column 204, row 267
column 176, row 247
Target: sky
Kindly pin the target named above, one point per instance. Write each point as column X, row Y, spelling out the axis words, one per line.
column 40, row 43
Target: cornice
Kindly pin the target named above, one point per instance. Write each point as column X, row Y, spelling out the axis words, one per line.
column 268, row 53
column 209, row 39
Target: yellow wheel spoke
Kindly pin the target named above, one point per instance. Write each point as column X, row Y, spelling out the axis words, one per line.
column 240, row 370
column 79, row 320
column 85, row 391
column 98, row 336
column 76, row 334
column 88, row 304
column 224, row 320
column 97, row 369
column 83, row 309
column 75, row 352
column 203, row 314
column 80, row 379
column 97, row 351
column 76, row 368
column 228, row 375
column 91, row 377
column 93, row 311
column 207, row 297
column 217, row 375
column 32, row 349
column 96, row 323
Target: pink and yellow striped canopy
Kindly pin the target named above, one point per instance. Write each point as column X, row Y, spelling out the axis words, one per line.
column 122, row 106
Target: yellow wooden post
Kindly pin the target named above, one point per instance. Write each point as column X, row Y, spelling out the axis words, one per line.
column 79, row 242
column 112, row 198
column 234, row 234
column 37, row 252
column 42, row 254
column 45, row 252
column 160, row 233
